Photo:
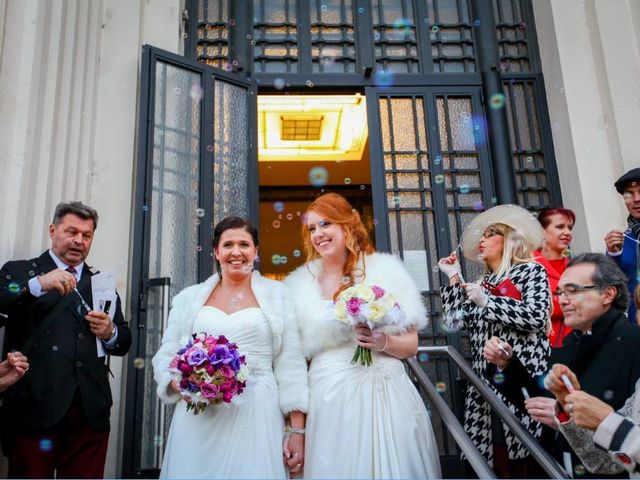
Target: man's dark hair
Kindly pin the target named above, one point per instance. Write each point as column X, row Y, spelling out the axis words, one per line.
column 79, row 209
column 606, row 274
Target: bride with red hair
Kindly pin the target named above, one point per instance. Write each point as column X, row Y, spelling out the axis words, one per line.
column 363, row 421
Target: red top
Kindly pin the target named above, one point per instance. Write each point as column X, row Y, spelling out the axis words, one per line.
column 555, row 268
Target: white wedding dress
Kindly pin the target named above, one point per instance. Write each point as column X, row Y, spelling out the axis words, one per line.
column 366, row 422
column 240, row 440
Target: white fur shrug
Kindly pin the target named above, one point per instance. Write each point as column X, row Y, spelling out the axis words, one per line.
column 318, row 333
column 289, row 366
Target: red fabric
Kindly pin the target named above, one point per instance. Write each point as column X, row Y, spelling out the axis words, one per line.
column 506, row 288
column 71, row 449
column 554, row 268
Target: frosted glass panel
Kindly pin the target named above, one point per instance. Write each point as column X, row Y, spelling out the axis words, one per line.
column 231, row 151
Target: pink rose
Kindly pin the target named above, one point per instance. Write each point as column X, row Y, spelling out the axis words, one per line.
column 353, row 305
column 377, row 291
column 227, row 396
column 209, row 391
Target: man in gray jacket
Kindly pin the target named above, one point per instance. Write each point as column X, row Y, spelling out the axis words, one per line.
column 604, row 439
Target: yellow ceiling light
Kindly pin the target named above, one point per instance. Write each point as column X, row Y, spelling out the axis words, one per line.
column 311, row 127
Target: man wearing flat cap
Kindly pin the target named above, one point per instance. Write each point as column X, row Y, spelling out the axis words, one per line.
column 624, row 247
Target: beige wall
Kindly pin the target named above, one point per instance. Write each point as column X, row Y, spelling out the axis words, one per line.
column 69, row 74
column 590, row 53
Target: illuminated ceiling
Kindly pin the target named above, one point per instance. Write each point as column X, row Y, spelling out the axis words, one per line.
column 311, row 127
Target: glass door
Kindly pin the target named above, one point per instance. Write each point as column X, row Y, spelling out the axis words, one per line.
column 195, row 162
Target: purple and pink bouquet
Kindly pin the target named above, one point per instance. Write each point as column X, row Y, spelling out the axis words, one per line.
column 367, row 304
column 210, row 371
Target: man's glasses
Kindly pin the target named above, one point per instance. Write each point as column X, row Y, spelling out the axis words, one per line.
column 571, row 290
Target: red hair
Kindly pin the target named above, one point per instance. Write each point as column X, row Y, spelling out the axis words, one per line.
column 544, row 216
column 336, row 209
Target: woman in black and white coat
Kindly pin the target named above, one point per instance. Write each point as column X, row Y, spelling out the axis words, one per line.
column 512, row 301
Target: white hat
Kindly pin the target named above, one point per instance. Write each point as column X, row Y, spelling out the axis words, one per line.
column 516, row 217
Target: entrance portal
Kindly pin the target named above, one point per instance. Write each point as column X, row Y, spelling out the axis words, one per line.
column 307, row 146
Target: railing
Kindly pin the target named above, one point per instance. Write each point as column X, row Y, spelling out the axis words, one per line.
column 477, row 462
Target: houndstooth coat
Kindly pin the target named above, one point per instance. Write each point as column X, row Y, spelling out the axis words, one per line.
column 521, row 323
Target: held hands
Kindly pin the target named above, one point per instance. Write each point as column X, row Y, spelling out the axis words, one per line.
column 542, row 409
column 58, row 279
column 497, row 352
column 12, row 369
column 476, row 294
column 586, row 410
column 614, row 240
column 293, row 452
column 100, row 324
column 556, row 385
column 450, row 266
column 373, row 340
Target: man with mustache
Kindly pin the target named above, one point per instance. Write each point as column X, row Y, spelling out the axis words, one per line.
column 55, row 421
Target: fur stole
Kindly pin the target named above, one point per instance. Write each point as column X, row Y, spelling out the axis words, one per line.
column 319, row 333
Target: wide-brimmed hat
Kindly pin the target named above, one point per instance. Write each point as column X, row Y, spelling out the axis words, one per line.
column 518, row 218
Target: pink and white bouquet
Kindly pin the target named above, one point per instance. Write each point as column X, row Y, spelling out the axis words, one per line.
column 210, row 371
column 372, row 305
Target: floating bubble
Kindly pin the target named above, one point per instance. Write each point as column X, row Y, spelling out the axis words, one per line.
column 283, row 260
column 437, row 160
column 347, row 181
column 361, row 10
column 328, row 61
column 403, row 25
column 232, row 22
column 195, row 92
column 278, row 206
column 278, row 83
column 145, row 208
column 497, row 101
column 276, row 224
column 210, row 148
column 376, row 36
column 345, row 280
column 46, row 445
column 138, row 363
column 289, row 216
column 435, row 29
column 441, row 387
column 54, row 348
column 298, row 213
column 157, row 440
column 14, row 288
column 494, row 200
column 296, row 253
column 423, row 357
column 279, row 216
column 199, row 248
column 200, row 212
column 579, row 470
column 439, row 178
column 362, row 187
column 498, row 378
column 275, row 259
column 476, row 23
column 464, row 189
column 529, row 161
column 608, row 395
column 31, row 273
column 318, row 176
column 479, row 205
column 383, row 78
column 323, row 8
column 309, row 83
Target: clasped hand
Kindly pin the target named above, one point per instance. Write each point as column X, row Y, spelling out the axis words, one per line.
column 371, row 339
column 293, row 452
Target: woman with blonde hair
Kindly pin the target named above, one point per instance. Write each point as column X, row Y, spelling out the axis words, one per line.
column 510, row 302
column 363, row 421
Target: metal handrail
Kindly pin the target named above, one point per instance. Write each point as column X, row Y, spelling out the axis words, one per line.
column 546, row 461
column 475, row 458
